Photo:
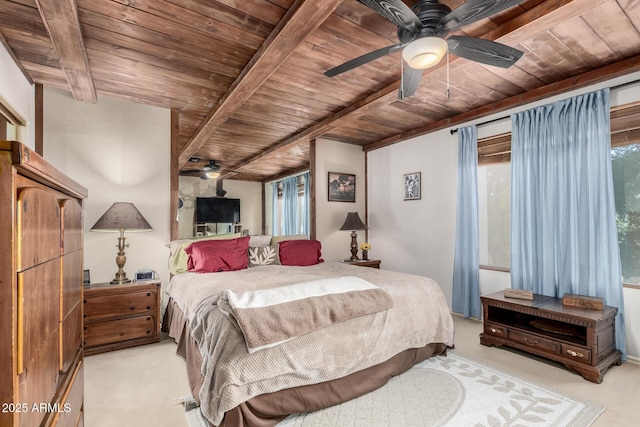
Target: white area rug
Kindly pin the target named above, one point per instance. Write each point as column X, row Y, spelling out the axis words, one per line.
column 450, row 391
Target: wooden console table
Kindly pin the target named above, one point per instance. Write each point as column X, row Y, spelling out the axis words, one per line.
column 583, row 340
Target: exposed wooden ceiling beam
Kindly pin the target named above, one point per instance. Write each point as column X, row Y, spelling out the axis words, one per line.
column 550, row 13
column 301, row 19
column 60, row 17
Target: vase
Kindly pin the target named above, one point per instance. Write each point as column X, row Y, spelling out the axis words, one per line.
column 365, row 255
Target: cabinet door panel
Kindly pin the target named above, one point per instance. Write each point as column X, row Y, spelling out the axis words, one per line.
column 38, row 233
column 39, row 308
column 71, row 225
column 71, row 282
column 70, row 337
column 38, row 382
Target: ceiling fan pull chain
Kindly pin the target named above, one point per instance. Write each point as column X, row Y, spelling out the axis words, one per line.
column 401, row 78
column 448, row 89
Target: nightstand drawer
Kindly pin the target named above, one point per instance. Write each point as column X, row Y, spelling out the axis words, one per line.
column 108, row 306
column 112, row 331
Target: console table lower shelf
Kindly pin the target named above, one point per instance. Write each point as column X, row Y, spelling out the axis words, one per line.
column 583, row 340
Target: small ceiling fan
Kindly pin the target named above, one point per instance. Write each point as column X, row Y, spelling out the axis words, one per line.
column 422, row 31
column 210, row 171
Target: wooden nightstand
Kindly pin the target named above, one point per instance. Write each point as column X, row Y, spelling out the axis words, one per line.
column 373, row 263
column 120, row 316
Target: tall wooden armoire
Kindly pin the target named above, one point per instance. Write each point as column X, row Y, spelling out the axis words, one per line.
column 41, row 262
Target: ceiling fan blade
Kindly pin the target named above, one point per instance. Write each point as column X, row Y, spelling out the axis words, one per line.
column 361, row 60
column 410, row 81
column 396, row 12
column 484, row 51
column 475, row 10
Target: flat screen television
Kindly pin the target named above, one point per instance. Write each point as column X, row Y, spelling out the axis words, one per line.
column 217, row 210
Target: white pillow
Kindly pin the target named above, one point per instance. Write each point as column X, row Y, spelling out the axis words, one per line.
column 259, row 240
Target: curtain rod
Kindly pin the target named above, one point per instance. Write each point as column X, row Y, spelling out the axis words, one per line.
column 453, row 131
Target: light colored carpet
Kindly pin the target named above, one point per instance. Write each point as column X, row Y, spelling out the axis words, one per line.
column 138, row 387
column 450, row 391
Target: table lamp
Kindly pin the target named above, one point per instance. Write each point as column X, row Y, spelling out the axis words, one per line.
column 353, row 223
column 121, row 216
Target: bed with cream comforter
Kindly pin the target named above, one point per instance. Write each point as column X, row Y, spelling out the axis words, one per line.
column 354, row 339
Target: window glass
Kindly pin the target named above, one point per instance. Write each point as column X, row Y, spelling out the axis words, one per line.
column 494, row 214
column 626, row 184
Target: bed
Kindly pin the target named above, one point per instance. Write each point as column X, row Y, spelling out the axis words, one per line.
column 238, row 384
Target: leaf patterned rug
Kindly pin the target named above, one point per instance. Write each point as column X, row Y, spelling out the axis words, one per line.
column 453, row 391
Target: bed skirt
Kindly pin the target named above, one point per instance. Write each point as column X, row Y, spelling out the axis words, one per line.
column 269, row 409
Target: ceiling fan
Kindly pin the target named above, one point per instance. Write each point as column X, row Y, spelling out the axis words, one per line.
column 210, row 171
column 422, row 31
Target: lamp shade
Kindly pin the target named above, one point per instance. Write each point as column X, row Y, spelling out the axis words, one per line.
column 425, row 52
column 353, row 222
column 122, row 216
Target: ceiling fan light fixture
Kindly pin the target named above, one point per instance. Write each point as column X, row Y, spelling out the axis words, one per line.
column 211, row 175
column 425, row 52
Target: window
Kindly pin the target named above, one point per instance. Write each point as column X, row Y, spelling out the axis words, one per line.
column 494, row 214
column 494, row 201
column 626, row 184
column 625, row 161
column 302, row 209
column 494, row 193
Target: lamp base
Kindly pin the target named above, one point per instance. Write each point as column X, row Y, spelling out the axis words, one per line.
column 121, row 259
column 354, row 246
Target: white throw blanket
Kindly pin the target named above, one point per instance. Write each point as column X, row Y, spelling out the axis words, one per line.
column 268, row 317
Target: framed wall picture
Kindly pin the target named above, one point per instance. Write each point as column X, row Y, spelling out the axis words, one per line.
column 342, row 187
column 411, row 185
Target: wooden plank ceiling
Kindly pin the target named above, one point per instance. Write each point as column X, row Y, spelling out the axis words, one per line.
column 246, row 77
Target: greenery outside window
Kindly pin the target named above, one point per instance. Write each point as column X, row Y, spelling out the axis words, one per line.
column 625, row 161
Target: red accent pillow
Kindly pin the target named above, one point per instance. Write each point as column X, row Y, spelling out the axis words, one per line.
column 300, row 252
column 210, row 256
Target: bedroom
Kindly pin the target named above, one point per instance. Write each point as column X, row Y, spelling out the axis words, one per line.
column 123, row 153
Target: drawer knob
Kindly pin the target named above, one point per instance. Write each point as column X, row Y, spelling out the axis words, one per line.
column 496, row 331
column 148, row 294
column 534, row 342
column 575, row 353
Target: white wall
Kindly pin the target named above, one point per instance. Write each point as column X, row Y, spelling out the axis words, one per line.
column 16, row 91
column 332, row 156
column 120, row 152
column 418, row 236
column 249, row 193
column 414, row 236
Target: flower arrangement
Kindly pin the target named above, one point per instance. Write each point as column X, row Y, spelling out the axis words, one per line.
column 365, row 246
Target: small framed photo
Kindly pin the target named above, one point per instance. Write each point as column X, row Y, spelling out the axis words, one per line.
column 412, row 186
column 342, row 187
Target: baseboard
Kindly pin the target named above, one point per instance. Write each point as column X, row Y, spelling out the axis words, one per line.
column 634, row 360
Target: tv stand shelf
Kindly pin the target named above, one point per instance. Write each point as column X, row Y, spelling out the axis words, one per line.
column 583, row 340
